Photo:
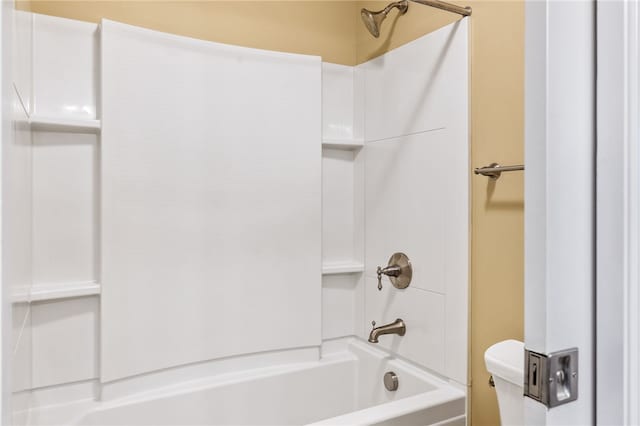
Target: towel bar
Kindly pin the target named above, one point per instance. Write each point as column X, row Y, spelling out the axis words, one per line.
column 494, row 170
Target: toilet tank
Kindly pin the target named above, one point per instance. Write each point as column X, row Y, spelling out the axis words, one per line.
column 505, row 362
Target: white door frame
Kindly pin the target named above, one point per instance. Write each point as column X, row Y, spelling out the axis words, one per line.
column 6, row 137
column 560, row 194
column 618, row 214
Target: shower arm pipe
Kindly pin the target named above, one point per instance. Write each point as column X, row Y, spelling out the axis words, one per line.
column 443, row 5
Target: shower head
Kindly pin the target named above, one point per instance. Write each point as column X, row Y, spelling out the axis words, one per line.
column 373, row 20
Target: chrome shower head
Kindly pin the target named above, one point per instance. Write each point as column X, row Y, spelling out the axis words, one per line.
column 373, row 20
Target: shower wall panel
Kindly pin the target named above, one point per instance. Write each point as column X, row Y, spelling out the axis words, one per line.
column 417, row 195
column 65, row 165
column 211, row 192
column 65, row 218
column 16, row 225
column 342, row 204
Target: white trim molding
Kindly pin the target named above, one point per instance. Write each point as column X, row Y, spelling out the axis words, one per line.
column 632, row 258
column 6, row 140
column 618, row 223
column 560, row 194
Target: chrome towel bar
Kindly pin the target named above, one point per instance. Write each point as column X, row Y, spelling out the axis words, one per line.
column 494, row 170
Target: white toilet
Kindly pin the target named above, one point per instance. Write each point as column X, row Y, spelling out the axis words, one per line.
column 505, row 362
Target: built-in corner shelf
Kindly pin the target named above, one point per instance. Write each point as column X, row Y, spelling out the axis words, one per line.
column 20, row 294
column 64, row 124
column 345, row 144
column 63, row 290
column 43, row 292
column 348, row 267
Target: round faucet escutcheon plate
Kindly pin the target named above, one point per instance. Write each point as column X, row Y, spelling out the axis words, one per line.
column 403, row 279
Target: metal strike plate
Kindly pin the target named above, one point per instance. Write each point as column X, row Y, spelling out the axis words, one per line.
column 551, row 379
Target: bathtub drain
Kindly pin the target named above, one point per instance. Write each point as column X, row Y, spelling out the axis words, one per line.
column 390, row 381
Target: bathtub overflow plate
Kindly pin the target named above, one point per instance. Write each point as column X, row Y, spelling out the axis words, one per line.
column 391, row 381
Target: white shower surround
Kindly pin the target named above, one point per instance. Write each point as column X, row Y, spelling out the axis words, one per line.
column 435, row 305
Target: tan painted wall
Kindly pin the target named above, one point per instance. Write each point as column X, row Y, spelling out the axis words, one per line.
column 324, row 28
column 332, row 30
column 497, row 264
column 497, row 134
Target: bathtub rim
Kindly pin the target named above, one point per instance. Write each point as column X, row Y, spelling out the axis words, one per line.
column 334, row 351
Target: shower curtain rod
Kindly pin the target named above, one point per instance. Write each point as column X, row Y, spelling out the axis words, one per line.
column 438, row 4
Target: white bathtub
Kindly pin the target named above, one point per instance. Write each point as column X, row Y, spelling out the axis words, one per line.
column 344, row 387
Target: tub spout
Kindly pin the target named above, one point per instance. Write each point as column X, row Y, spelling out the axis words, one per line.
column 397, row 327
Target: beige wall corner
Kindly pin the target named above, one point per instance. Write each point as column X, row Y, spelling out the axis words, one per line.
column 23, row 5
column 497, row 246
column 397, row 29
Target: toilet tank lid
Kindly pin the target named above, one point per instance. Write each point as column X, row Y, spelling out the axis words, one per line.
column 506, row 360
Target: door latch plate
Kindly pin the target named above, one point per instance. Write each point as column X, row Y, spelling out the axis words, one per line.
column 551, row 379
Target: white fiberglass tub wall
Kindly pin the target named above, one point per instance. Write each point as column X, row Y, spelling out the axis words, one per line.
column 344, row 387
column 417, row 195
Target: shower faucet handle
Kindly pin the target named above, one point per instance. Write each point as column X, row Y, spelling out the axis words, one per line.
column 398, row 270
column 390, row 271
